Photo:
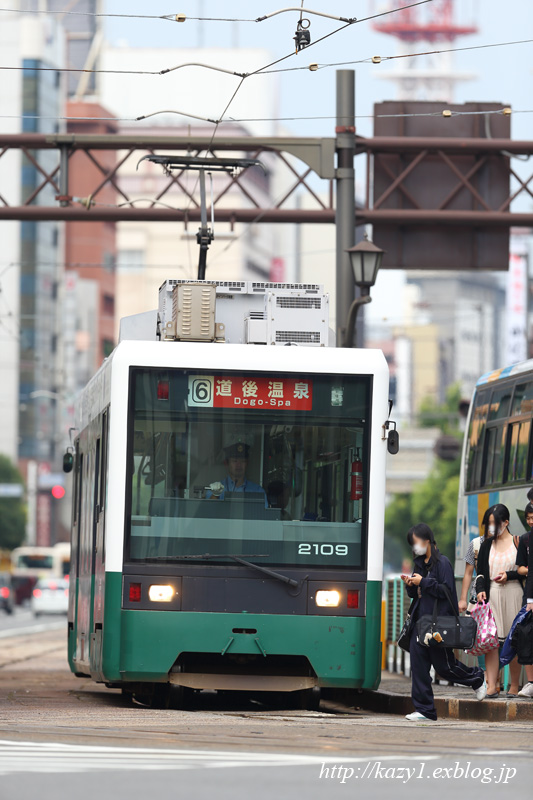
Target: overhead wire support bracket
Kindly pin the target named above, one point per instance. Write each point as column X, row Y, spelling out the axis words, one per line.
column 349, row 20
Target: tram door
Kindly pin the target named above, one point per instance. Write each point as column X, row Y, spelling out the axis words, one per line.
column 90, row 543
column 98, row 546
column 83, row 546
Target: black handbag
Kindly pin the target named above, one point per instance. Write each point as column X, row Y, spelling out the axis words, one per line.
column 522, row 639
column 439, row 631
column 404, row 639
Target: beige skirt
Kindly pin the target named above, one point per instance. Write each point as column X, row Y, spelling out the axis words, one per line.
column 506, row 602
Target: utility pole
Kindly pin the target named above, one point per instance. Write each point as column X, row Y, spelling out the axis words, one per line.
column 345, row 183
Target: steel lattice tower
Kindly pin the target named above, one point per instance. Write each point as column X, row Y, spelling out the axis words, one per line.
column 426, row 77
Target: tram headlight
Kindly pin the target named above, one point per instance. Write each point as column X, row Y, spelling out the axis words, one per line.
column 328, row 599
column 161, row 593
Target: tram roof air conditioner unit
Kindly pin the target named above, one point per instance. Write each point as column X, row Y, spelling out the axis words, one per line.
column 193, row 313
column 297, row 319
column 243, row 312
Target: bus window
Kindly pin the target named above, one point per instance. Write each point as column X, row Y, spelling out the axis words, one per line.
column 518, row 451
column 494, row 456
column 474, row 457
column 35, row 560
column 500, row 402
column 523, row 400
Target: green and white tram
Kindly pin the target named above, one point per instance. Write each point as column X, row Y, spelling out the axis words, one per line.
column 497, row 464
column 229, row 500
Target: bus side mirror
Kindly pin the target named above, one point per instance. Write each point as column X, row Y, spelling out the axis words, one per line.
column 393, row 442
column 68, row 461
column 393, row 437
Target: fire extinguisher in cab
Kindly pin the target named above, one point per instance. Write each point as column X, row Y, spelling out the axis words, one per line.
column 356, row 488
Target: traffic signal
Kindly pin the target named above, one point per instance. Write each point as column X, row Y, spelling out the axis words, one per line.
column 58, row 492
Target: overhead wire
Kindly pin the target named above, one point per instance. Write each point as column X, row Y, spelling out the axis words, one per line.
column 265, row 70
column 337, row 30
column 313, row 67
column 505, row 110
column 181, row 17
column 424, row 53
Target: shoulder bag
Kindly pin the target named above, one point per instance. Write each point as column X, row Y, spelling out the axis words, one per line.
column 446, row 631
column 404, row 639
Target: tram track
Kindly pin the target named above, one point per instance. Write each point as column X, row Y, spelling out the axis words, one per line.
column 41, row 701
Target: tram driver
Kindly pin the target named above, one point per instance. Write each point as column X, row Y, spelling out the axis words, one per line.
column 236, row 460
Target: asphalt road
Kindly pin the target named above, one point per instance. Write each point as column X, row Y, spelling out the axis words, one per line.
column 269, row 777
column 23, row 621
column 60, row 736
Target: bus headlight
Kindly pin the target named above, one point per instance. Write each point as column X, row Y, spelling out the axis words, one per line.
column 328, row 599
column 161, row 593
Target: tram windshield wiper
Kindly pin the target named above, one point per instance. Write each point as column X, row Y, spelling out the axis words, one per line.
column 266, row 570
column 241, row 560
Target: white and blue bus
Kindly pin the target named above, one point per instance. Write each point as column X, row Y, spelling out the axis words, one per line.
column 497, row 464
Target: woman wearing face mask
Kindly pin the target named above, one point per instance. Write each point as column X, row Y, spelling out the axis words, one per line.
column 425, row 585
column 499, row 582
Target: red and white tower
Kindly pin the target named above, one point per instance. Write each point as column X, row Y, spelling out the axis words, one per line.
column 426, row 77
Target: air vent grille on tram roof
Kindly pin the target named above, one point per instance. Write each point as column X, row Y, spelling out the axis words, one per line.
column 235, row 286
column 299, row 302
column 306, row 287
column 299, row 337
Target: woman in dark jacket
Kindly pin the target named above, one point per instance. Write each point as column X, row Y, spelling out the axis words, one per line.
column 431, row 571
column 499, row 582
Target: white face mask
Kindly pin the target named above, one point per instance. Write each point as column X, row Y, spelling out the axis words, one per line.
column 419, row 549
column 491, row 530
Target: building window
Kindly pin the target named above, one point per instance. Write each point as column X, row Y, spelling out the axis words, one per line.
column 109, row 262
column 109, row 305
column 130, row 261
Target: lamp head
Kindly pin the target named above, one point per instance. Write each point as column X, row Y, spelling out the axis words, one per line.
column 366, row 258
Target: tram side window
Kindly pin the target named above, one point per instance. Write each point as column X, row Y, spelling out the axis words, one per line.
column 79, row 498
column 475, row 440
column 75, row 506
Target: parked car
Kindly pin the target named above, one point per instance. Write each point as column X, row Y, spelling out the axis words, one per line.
column 50, row 596
column 7, row 595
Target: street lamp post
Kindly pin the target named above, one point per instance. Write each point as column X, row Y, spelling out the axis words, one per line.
column 365, row 259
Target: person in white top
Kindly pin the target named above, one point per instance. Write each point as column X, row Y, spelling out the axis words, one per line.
column 499, row 581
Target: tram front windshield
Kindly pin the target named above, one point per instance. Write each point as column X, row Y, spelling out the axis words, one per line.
column 272, row 468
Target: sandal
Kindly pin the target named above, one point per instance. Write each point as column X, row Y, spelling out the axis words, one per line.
column 492, row 696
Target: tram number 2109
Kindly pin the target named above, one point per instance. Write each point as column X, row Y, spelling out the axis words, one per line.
column 307, row 549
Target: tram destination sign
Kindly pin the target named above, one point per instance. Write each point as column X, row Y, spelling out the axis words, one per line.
column 264, row 392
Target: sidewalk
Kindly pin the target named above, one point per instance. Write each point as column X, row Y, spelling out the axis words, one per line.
column 451, row 702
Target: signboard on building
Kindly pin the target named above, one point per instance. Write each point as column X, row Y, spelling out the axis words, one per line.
column 516, row 338
column 11, row 490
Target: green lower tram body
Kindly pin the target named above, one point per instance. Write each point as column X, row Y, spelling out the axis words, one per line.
column 143, row 646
